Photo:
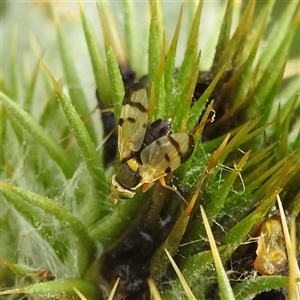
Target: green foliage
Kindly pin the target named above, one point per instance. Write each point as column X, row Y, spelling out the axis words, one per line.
column 55, row 211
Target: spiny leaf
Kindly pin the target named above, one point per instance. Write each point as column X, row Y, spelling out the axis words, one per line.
column 283, row 146
column 130, row 35
column 190, row 88
column 96, row 59
column 199, row 263
column 14, row 77
column 34, row 275
column 113, row 291
column 200, row 103
column 288, row 93
column 191, row 59
column 240, row 82
column 185, row 285
column 278, row 178
column 31, row 87
column 237, row 233
column 107, row 17
column 159, row 261
column 296, row 207
column 3, row 135
column 274, row 69
column 155, row 295
column 160, row 109
column 154, row 46
column 73, row 83
column 114, row 76
column 160, row 17
column 225, row 32
column 92, row 210
column 110, row 230
column 170, row 59
column 34, row 217
column 40, row 135
column 263, row 13
column 251, row 287
column 229, row 51
column 244, row 34
column 59, row 212
column 281, row 29
column 258, row 157
column 225, row 291
column 57, row 288
column 203, row 179
column 219, row 197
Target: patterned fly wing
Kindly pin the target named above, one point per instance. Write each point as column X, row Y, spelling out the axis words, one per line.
column 133, row 120
column 165, row 155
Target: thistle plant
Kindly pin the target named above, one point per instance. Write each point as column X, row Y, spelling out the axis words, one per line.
column 63, row 237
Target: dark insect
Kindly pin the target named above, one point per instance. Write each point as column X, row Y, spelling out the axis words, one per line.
column 109, row 133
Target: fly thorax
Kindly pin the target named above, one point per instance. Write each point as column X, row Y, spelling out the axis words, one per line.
column 156, row 130
column 127, row 173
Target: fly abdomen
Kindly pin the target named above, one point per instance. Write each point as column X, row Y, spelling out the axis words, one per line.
column 127, row 174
